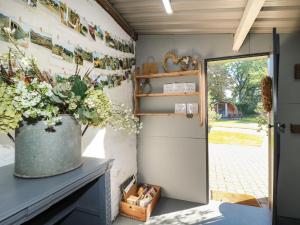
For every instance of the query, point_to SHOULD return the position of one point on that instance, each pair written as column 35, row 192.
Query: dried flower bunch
column 266, row 89
column 27, row 94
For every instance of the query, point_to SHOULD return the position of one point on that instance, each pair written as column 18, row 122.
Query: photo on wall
column 78, row 56
column 64, row 13
column 131, row 48
column 63, row 51
column 74, row 20
column 92, row 31
column 58, row 50
column 121, row 64
column 4, row 23
column 108, row 40
column 99, row 32
column 68, row 53
column 98, row 62
column 52, row 5
column 41, row 39
column 32, row 3
column 20, row 33
column 84, row 26
column 86, row 55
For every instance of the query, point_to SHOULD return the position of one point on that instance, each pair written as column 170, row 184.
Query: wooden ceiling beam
column 195, row 23
column 251, row 12
column 153, row 6
column 281, row 3
column 185, row 16
column 118, row 18
column 186, row 31
column 279, row 14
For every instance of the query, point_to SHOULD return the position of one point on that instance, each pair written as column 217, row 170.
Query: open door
column 274, row 128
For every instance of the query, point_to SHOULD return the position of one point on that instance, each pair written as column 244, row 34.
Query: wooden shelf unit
column 162, row 114
column 201, row 93
column 168, row 94
column 170, row 74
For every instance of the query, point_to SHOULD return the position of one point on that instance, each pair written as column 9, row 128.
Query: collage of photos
column 70, row 18
column 23, row 34
column 18, row 32
column 111, row 63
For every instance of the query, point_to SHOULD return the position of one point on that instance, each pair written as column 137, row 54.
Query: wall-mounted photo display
column 44, row 40
column 78, row 56
column 74, row 20
column 4, row 23
column 115, row 64
column 52, row 5
column 32, row 3
column 68, row 53
column 92, row 31
column 125, row 64
column 108, row 40
column 70, row 18
column 121, row 64
column 64, row 51
column 108, row 62
column 58, row 50
column 86, row 55
column 20, row 33
column 64, row 13
column 99, row 32
column 131, row 48
column 84, row 26
column 98, row 63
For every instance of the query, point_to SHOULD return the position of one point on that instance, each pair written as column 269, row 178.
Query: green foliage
column 79, row 87
column 212, row 114
column 96, row 109
column 34, row 101
column 234, row 138
column 9, row 116
column 241, row 78
column 262, row 118
column 219, row 81
column 247, row 75
column 123, row 119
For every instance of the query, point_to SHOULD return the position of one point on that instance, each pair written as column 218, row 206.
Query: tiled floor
column 176, row 212
column 239, row 169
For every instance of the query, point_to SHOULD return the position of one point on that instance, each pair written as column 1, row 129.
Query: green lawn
column 244, row 123
column 225, row 137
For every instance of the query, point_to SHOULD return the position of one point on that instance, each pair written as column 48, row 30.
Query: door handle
column 281, row 127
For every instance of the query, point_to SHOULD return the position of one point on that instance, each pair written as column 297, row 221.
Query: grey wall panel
column 176, row 164
column 160, row 159
column 289, row 180
column 172, row 126
column 289, row 88
column 289, row 112
column 205, row 46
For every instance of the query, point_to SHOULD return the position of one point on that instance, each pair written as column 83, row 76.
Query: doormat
column 241, row 199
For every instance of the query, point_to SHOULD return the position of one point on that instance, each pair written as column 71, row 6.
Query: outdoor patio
column 239, row 168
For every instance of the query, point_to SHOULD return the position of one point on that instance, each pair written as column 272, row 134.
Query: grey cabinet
column 81, row 196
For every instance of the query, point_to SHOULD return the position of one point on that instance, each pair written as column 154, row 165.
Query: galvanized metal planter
column 42, row 153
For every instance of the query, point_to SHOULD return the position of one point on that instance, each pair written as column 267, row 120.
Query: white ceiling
column 206, row 16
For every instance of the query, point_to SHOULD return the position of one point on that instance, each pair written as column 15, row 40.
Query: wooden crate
column 137, row 212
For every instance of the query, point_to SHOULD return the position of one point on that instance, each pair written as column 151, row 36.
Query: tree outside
column 237, row 81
